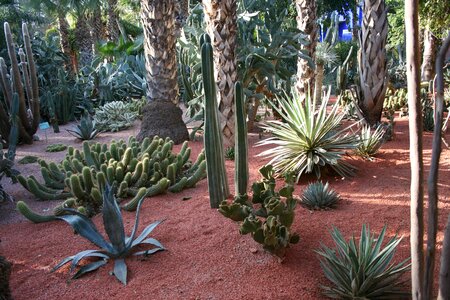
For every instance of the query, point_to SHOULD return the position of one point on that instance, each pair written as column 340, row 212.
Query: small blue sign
column 44, row 125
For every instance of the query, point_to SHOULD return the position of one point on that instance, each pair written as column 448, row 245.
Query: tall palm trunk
column 372, row 60
column 161, row 117
column 97, row 27
column 84, row 40
column 306, row 22
column 221, row 25
column 112, row 22
column 429, row 55
column 416, row 146
column 63, row 27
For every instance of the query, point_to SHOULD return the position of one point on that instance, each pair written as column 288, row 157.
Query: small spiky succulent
column 229, row 153
column 370, row 141
column 85, row 130
column 319, row 196
column 363, row 271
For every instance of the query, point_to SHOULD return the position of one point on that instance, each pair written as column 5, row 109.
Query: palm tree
column 112, row 21
column 306, row 22
column 429, row 55
column 372, row 60
column 220, row 17
column 161, row 116
column 325, row 54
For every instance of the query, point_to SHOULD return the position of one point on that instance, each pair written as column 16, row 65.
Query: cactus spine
column 217, row 177
column 241, row 143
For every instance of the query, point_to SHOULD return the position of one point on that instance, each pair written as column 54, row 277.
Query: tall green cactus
column 241, row 143
column 25, row 84
column 216, row 172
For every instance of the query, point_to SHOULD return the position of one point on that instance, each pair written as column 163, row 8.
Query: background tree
column 306, row 22
column 161, row 116
column 112, row 25
column 221, row 25
column 372, row 60
column 416, row 146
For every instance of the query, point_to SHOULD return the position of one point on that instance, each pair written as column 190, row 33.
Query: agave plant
column 363, row 271
column 308, row 139
column 85, row 130
column 370, row 141
column 120, row 245
column 319, row 196
column 115, row 116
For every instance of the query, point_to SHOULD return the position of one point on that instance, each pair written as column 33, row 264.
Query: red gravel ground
column 206, row 257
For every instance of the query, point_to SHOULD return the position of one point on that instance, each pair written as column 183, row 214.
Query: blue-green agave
column 119, row 246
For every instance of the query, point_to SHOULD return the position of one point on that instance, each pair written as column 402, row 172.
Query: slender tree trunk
column 372, row 60
column 306, row 22
column 432, row 184
column 112, row 26
column 429, row 55
column 415, row 140
column 221, row 25
column 319, row 83
column 444, row 272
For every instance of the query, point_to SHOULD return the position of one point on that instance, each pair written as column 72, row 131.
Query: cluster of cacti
column 217, row 176
column 267, row 217
column 241, row 143
column 342, row 75
column 396, row 99
column 6, row 169
column 115, row 116
column 134, row 169
column 19, row 112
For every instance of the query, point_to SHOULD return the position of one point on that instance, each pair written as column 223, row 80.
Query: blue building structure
column 345, row 23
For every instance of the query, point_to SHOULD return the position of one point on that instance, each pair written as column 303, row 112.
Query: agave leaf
column 112, row 220
column 120, row 270
column 84, row 227
column 79, row 256
column 89, row 268
column 62, row 263
column 145, row 233
column 149, row 252
column 154, row 242
column 129, row 244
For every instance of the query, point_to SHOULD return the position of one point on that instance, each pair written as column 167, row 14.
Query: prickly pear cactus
column 269, row 215
column 135, row 169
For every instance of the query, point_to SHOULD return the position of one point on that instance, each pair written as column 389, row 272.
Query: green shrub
column 268, row 218
column 56, row 148
column 309, row 139
column 364, row 270
column 119, row 245
column 229, row 153
column 115, row 116
column 319, row 196
column 370, row 141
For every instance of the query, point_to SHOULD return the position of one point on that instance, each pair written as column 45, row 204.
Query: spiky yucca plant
column 319, row 196
column 364, row 270
column 309, row 139
column 120, row 245
column 370, row 141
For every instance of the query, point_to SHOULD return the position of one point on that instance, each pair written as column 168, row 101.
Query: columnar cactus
column 134, row 169
column 25, row 81
column 215, row 163
column 241, row 143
